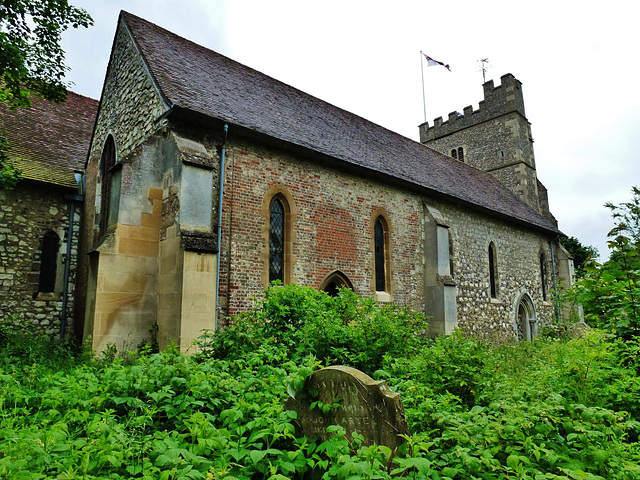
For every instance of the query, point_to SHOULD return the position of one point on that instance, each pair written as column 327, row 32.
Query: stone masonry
column 26, row 214
column 333, row 231
column 152, row 268
column 495, row 138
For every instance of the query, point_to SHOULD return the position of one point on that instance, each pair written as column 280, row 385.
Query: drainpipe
column 73, row 198
column 555, row 279
column 223, row 153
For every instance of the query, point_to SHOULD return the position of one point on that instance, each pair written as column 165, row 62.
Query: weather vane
column 484, row 66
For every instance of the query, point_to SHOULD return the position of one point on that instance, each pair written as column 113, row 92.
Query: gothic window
column 276, row 240
column 454, row 153
column 543, row 280
column 381, row 252
column 48, row 262
column 493, row 271
column 107, row 164
column 333, row 282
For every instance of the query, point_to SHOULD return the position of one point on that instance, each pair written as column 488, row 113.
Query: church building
column 207, row 180
column 40, row 218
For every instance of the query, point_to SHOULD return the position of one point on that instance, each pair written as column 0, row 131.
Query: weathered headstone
column 366, row 406
column 578, row 330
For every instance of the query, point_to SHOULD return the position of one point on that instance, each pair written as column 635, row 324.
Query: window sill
column 47, row 297
column 383, row 297
column 495, row 301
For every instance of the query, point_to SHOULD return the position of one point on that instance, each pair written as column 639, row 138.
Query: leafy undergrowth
column 549, row 409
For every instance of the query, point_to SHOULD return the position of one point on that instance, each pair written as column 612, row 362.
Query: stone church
column 40, row 218
column 206, row 180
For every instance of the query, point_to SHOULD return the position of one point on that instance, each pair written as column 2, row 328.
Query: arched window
column 107, row 162
column 461, row 154
column 381, row 253
column 454, row 153
column 543, row 279
column 48, row 262
column 493, row 271
column 276, row 240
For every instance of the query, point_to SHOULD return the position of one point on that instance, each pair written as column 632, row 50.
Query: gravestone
column 366, row 406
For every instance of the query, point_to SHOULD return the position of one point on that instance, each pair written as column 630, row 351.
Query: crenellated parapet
column 501, row 100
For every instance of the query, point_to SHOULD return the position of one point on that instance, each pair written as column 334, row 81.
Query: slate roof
column 49, row 141
column 195, row 78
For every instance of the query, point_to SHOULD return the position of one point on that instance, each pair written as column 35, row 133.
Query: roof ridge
column 82, row 95
column 202, row 80
column 184, row 39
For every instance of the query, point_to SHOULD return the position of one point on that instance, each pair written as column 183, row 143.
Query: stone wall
column 496, row 138
column 129, row 110
column 130, row 103
column 27, row 213
column 518, row 267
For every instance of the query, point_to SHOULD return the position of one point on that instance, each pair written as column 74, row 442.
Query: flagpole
column 424, row 101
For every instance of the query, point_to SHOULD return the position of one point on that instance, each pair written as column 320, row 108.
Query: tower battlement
column 500, row 100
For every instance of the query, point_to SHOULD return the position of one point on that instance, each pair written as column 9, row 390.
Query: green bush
column 345, row 329
column 547, row 409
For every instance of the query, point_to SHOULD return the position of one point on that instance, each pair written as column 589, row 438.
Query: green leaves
column 547, row 409
column 31, row 58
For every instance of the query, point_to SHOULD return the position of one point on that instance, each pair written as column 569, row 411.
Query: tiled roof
column 200, row 80
column 49, row 141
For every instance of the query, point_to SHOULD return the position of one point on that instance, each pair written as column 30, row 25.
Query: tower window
column 457, row 154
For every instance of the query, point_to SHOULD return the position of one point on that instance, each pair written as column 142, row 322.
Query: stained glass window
column 276, row 241
column 379, row 253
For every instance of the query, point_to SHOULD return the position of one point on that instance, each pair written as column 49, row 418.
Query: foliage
column 536, row 410
column 610, row 292
column 9, row 175
column 345, row 329
column 581, row 253
column 627, row 217
column 31, row 58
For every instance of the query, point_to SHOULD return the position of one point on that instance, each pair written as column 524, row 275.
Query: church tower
column 495, row 138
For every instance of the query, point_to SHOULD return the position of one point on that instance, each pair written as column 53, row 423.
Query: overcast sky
column 577, row 61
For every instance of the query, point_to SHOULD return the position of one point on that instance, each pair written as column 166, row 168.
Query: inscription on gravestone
column 367, row 406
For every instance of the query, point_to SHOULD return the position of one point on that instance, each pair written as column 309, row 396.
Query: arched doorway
column 526, row 322
column 334, row 281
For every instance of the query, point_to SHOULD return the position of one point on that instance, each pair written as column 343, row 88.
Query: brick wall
column 333, row 230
